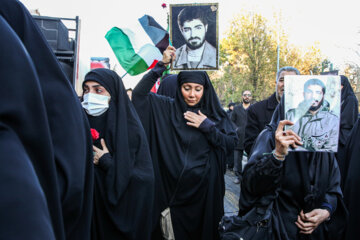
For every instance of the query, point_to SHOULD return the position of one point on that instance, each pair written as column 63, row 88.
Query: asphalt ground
column 232, row 193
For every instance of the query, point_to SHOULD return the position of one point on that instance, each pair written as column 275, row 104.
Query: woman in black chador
column 189, row 137
column 124, row 176
column 348, row 117
column 303, row 186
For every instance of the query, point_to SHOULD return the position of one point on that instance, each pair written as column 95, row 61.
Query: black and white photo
column 194, row 33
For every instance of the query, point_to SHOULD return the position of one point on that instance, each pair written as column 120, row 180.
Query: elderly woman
column 124, row 176
column 304, row 187
column 189, row 137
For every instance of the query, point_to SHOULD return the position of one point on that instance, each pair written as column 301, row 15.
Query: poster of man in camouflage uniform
column 312, row 104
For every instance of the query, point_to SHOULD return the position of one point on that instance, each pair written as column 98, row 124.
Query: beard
column 315, row 108
column 246, row 101
column 193, row 47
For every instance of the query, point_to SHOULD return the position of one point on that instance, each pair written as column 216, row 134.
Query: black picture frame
column 212, row 35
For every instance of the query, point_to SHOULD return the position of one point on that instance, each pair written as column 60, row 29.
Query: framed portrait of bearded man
column 194, row 33
column 312, row 103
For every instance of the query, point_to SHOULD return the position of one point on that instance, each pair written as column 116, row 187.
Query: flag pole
column 124, row 75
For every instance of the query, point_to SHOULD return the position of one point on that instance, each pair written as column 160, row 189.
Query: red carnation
column 95, row 134
column 163, row 5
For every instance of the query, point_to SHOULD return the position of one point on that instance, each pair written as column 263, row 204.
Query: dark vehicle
column 64, row 42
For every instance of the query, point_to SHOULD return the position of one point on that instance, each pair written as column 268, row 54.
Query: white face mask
column 95, row 104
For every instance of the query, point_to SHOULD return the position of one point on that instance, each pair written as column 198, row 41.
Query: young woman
column 124, row 177
column 189, row 137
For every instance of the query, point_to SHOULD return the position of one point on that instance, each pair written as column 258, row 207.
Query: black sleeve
column 106, row 161
column 334, row 189
column 263, row 175
column 217, row 138
column 143, row 88
column 252, row 130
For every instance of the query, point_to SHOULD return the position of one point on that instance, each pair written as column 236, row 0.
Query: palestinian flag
column 137, row 49
column 135, row 52
column 158, row 35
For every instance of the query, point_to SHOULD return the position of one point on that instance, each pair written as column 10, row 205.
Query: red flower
column 95, row 134
column 163, row 5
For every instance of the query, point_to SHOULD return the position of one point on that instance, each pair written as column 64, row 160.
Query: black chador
column 26, row 155
column 124, row 177
column 351, row 185
column 68, row 190
column 348, row 117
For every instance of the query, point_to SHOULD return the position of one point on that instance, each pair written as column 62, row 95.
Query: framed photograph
column 194, row 32
column 312, row 103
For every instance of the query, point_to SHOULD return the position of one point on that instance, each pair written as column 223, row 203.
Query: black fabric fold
column 352, row 179
column 69, row 189
column 348, row 117
column 28, row 181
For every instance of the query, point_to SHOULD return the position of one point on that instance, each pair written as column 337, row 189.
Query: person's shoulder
column 258, row 105
column 289, row 115
column 210, row 49
column 181, row 49
column 331, row 114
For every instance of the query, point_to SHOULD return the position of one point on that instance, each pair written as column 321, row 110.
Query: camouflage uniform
column 317, row 132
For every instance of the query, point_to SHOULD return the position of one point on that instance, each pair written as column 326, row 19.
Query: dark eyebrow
column 199, row 25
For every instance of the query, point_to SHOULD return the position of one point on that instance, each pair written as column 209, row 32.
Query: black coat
column 303, row 181
column 259, row 114
column 239, row 118
column 189, row 164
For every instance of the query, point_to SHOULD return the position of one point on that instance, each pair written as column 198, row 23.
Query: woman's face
column 94, row 87
column 192, row 93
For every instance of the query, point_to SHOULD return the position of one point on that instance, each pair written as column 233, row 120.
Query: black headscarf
column 306, row 180
column 123, row 192
column 188, row 163
column 209, row 103
column 28, row 182
column 69, row 129
column 168, row 86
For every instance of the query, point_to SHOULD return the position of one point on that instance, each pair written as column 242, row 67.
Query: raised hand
column 284, row 139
